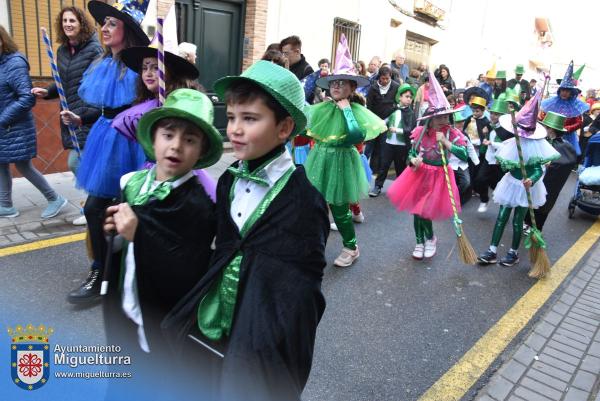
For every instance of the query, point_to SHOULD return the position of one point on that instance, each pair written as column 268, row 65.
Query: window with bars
column 352, row 32
column 26, row 18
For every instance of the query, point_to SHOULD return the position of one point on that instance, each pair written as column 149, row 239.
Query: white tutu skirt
column 510, row 192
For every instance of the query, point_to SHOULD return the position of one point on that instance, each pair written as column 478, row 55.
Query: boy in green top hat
column 165, row 225
column 520, row 85
column 400, row 124
column 557, row 172
column 248, row 327
column 490, row 173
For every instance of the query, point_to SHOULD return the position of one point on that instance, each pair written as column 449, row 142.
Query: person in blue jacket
column 18, row 140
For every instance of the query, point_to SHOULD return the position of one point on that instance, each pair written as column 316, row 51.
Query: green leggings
column 503, row 216
column 423, row 229
column 343, row 219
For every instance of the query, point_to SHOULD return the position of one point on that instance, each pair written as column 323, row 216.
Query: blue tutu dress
column 108, row 155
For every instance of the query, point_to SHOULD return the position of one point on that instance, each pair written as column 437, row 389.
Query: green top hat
column 501, row 74
column 277, row 82
column 511, row 96
column 187, row 104
column 458, row 115
column 555, row 120
column 500, row 106
column 403, row 88
column 519, row 69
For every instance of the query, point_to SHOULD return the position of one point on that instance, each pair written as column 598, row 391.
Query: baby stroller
column 587, row 190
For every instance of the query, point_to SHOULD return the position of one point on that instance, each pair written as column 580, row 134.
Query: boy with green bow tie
column 167, row 224
column 248, row 327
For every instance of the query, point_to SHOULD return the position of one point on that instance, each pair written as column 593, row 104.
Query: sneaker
column 418, row 252
column 487, row 258
column 375, row 192
column 8, row 212
column 430, row 247
column 54, row 207
column 333, row 227
column 347, row 257
column 511, row 259
column 80, row 221
column 482, row 207
column 526, row 229
column 358, row 218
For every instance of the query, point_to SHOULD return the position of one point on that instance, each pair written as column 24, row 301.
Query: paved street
column 393, row 326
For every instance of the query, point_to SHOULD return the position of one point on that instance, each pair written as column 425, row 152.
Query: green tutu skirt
column 326, row 122
column 337, row 172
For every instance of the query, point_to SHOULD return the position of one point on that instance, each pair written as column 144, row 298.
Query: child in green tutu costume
column 334, row 166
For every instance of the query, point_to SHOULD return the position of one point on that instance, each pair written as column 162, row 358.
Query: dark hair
column 130, row 41
column 323, row 61
column 476, row 106
column 385, row 70
column 275, row 56
column 438, row 72
column 172, row 82
column 451, row 98
column 244, row 92
column 187, row 126
column 414, row 73
column 293, row 40
column 362, row 70
column 87, row 27
column 8, row 44
column 273, row 46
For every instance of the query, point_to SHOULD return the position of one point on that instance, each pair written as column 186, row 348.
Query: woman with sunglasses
column 334, row 165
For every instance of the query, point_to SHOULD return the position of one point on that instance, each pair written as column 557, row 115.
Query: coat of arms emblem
column 30, row 356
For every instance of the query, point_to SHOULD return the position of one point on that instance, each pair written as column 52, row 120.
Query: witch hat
column 527, row 121
column 131, row 12
column 491, row 73
column 438, row 103
column 344, row 68
column 577, row 74
column 567, row 81
column 134, row 56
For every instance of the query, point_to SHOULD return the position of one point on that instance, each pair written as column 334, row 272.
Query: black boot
column 89, row 291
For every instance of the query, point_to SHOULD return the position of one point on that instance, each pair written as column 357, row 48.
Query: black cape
column 279, row 302
column 172, row 250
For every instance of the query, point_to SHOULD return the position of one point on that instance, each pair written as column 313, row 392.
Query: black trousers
column 396, row 154
column 463, row 182
column 94, row 211
column 487, row 176
column 374, row 151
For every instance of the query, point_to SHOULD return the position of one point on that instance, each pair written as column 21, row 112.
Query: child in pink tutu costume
column 421, row 190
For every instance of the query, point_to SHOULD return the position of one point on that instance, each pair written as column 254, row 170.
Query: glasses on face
column 337, row 84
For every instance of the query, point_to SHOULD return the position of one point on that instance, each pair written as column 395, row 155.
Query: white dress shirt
column 247, row 195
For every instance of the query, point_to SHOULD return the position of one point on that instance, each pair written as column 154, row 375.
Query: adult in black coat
column 381, row 100
column 291, row 47
column 268, row 355
column 79, row 47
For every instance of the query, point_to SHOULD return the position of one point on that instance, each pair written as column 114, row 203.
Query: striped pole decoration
column 59, row 88
column 161, row 61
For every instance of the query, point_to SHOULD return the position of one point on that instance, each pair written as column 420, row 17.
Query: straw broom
column 534, row 240
column 466, row 253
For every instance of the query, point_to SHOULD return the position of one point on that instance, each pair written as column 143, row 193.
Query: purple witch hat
column 344, row 67
column 438, row 103
column 527, row 120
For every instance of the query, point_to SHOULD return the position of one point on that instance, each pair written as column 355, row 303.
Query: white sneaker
column 347, row 257
column 482, row 207
column 418, row 252
column 358, row 218
column 80, row 221
column 430, row 247
column 333, row 227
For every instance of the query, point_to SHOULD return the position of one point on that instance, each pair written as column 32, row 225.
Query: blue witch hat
column 567, row 82
column 131, row 12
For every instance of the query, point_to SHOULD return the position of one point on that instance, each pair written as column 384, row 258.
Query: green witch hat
column 555, row 120
column 577, row 73
column 187, row 104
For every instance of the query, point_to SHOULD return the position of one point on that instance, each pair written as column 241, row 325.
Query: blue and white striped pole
column 59, row 88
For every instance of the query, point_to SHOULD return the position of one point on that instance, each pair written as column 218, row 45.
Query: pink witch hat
column 344, row 67
column 438, row 104
column 527, row 120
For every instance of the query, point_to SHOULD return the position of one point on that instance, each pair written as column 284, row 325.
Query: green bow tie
column 161, row 191
column 242, row 172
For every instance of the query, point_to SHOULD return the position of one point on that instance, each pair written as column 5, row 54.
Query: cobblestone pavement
column 560, row 358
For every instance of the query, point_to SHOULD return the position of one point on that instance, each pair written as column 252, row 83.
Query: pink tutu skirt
column 424, row 192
